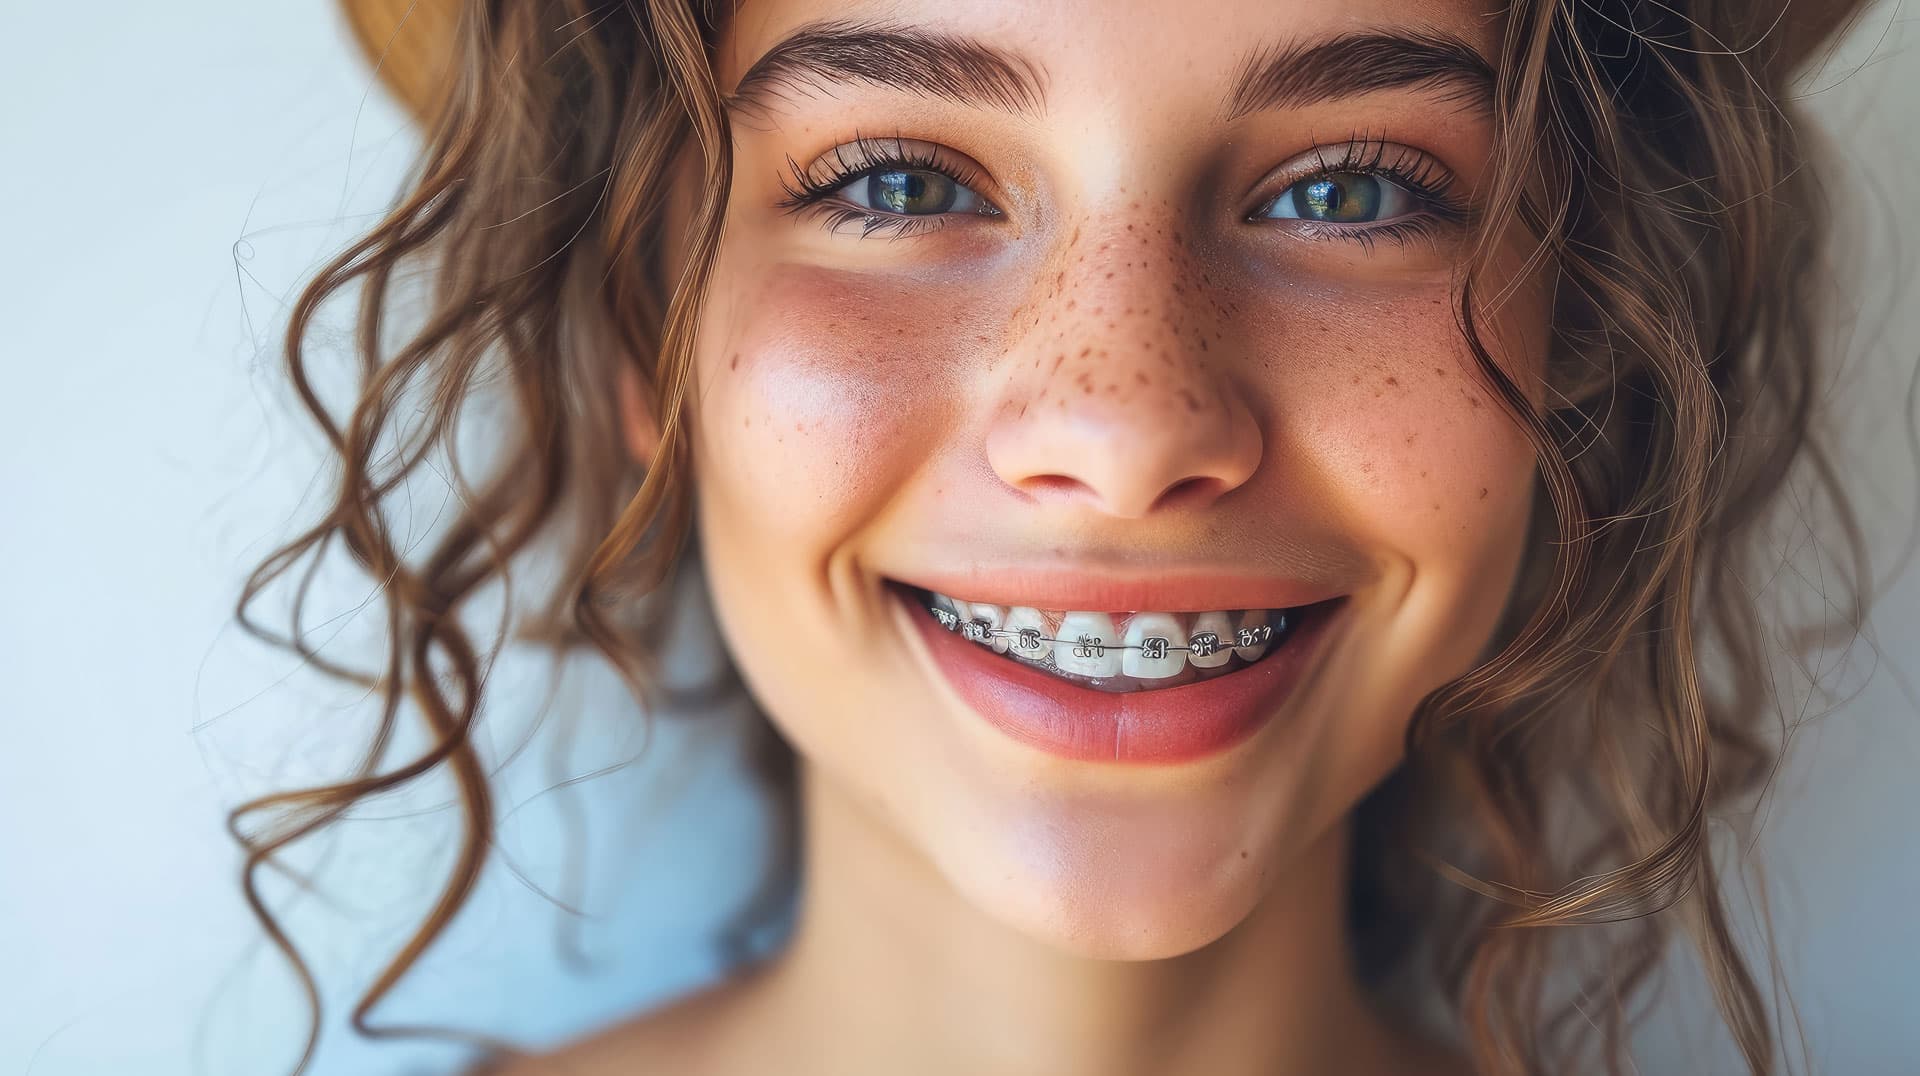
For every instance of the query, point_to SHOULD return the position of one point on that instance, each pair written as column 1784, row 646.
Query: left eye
column 911, row 193
column 1342, row 198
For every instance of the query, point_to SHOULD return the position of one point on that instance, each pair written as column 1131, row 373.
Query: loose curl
column 1648, row 151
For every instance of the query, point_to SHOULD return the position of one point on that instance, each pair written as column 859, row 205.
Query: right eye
column 912, row 192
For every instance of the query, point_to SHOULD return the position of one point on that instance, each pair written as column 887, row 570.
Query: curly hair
column 1649, row 152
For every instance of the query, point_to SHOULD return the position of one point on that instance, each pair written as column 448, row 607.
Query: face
column 1092, row 475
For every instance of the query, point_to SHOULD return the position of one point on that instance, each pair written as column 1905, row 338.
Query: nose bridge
column 1121, row 388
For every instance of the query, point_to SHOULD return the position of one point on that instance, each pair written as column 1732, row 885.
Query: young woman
column 1235, row 510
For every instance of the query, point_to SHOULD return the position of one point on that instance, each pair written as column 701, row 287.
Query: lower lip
column 1176, row 724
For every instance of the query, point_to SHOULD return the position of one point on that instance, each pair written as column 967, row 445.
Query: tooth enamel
column 992, row 618
column 1088, row 645
column 1210, row 654
column 946, row 611
column 1252, row 635
column 1029, row 628
column 1154, row 642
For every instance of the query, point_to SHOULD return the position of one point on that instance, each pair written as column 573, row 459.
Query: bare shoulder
column 695, row 1035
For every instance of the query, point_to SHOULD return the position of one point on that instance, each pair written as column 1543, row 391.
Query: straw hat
column 411, row 41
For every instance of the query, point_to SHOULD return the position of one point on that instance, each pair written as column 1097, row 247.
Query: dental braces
column 1153, row 647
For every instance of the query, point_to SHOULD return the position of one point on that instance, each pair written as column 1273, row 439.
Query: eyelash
column 1422, row 177
column 806, row 194
column 1429, row 182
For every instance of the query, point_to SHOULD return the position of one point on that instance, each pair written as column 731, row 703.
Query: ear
column 638, row 427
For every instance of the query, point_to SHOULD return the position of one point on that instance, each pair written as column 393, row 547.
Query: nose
column 1119, row 392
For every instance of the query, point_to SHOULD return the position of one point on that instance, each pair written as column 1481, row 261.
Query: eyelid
column 1365, row 154
column 861, row 155
column 1418, row 173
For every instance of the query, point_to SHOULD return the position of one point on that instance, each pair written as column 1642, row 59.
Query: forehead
column 1080, row 48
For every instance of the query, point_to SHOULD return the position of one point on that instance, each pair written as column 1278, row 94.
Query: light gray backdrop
column 171, row 173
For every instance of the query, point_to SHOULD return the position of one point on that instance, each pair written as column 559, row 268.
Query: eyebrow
column 961, row 69
column 1306, row 73
column 974, row 74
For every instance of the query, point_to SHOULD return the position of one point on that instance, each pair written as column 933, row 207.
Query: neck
column 889, row 962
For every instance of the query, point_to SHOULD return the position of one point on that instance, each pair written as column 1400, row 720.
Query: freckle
column 1109, row 276
column 1085, row 351
column 1071, row 303
column 1483, row 493
column 1423, row 474
column 1356, row 379
column 1393, row 381
column 1129, row 227
column 1439, row 371
column 1203, row 343
column 1436, row 506
column 1474, row 400
column 1142, row 378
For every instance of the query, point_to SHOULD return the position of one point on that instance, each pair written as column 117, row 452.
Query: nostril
column 1054, row 487
column 1193, row 492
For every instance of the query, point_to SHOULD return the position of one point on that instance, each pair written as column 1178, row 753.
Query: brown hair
column 1650, row 150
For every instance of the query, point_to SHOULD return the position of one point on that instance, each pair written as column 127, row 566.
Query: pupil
column 901, row 192
column 1351, row 196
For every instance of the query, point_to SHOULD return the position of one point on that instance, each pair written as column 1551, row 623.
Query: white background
column 166, row 181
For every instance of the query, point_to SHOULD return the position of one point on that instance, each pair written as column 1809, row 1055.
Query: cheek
column 819, row 397
column 1424, row 459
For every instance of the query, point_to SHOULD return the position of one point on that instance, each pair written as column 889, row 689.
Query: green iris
column 912, row 193
column 1342, row 197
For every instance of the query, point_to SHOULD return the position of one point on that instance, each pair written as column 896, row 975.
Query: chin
column 1115, row 875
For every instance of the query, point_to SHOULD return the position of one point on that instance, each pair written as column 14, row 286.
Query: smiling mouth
column 1121, row 652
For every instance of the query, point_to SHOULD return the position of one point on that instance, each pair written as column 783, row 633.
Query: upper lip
column 1166, row 590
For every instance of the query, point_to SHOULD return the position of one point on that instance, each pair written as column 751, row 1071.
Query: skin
column 1121, row 363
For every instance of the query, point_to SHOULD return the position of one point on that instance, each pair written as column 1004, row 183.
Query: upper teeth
column 1151, row 646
